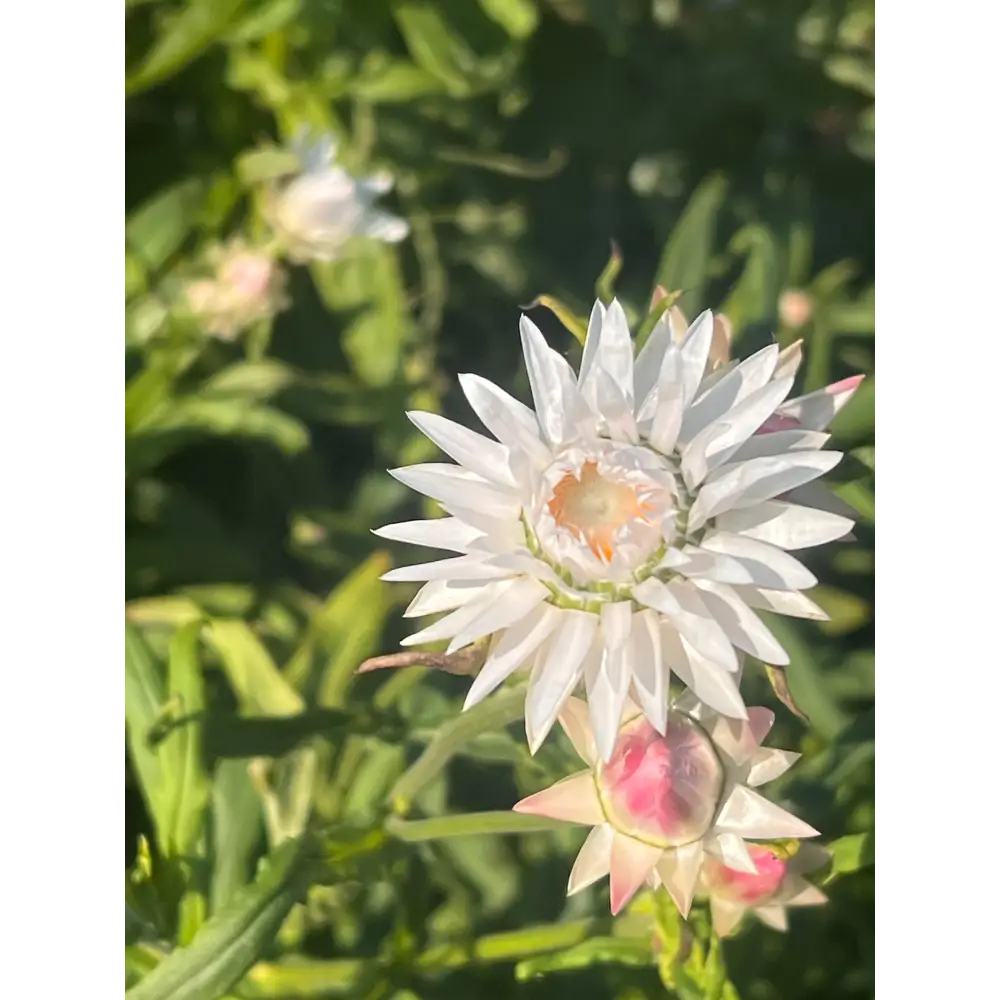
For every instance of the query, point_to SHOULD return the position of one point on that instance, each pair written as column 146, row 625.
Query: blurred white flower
column 247, row 286
column 626, row 528
column 665, row 807
column 320, row 209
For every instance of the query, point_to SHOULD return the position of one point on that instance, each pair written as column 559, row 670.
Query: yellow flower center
column 594, row 508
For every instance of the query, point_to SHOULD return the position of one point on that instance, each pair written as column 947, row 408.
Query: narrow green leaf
column 189, row 791
column 435, row 46
column 851, row 854
column 305, row 979
column 519, row 18
column 605, row 287
column 232, row 940
column 236, row 829
column 249, row 380
column 184, row 38
column 505, row 946
column 496, row 711
column 575, row 324
column 467, row 825
column 596, row 951
column 156, row 229
column 688, row 253
column 256, row 681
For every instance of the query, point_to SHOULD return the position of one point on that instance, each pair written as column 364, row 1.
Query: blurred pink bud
column 795, row 308
column 748, row 888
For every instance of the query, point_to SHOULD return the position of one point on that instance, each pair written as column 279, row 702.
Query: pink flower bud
column 662, row 789
column 743, row 887
column 795, row 308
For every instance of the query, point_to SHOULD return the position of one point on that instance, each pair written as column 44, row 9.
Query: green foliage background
column 727, row 146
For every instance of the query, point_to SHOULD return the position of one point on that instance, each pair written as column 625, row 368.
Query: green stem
column 467, row 824
column 505, row 947
column 497, row 711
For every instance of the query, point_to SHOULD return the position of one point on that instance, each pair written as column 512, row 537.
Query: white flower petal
column 774, row 916
column 471, row 450
column 701, row 564
column 650, row 674
column 594, row 860
column 815, row 410
column 819, row 496
column 608, row 675
column 668, row 401
column 631, row 863
column 745, row 484
column 805, row 894
column 742, row 627
column 506, row 418
column 612, row 352
column 779, row 443
column 694, row 353
column 787, row 525
column 615, row 408
column 507, row 607
column 439, row 533
column 768, row 764
column 732, row 851
column 575, row 721
column 558, row 403
column 514, row 647
column 728, row 390
column 709, row 682
column 650, row 359
column 468, row 567
column 556, row 673
column 769, row 566
column 451, row 484
column 574, row 799
column 678, row 870
column 711, row 448
column 453, row 623
column 749, row 814
column 591, row 343
column 379, row 225
column 789, row 361
column 726, row 915
column 782, row 602
column 443, row 595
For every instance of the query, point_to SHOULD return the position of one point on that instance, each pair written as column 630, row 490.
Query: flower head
column 666, row 808
column 626, row 528
column 247, row 286
column 777, row 884
column 320, row 209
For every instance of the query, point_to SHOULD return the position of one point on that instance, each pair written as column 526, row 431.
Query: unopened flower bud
column 750, row 889
column 795, row 308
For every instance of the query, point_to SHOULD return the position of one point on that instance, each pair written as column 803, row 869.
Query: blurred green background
column 727, row 147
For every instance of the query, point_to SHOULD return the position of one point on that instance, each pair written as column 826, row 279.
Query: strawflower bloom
column 624, row 529
column 247, row 286
column 664, row 808
column 323, row 207
column 776, row 885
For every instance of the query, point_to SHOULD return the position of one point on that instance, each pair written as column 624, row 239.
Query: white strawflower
column 625, row 528
column 319, row 210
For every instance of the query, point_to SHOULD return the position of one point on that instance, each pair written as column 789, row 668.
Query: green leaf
column 232, row 940
column 185, row 37
column 752, row 298
column 435, row 46
column 468, row 825
column 303, row 979
column 249, row 380
column 236, row 829
column 156, row 230
column 519, row 18
column 576, row 325
column 498, row 710
column 505, row 946
column 262, row 165
column 190, row 789
column 605, row 287
column 268, row 17
column 394, row 81
column 688, row 253
column 851, row 854
column 157, row 769
column 596, row 951
column 258, row 684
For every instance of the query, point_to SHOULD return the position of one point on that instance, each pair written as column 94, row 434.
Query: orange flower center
column 594, row 508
